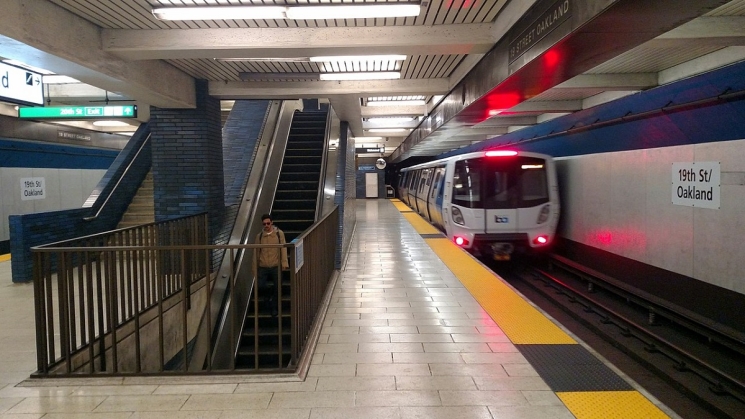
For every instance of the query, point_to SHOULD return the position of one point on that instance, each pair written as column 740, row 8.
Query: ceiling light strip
column 311, row 12
column 368, row 75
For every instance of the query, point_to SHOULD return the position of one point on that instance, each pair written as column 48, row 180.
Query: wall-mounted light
column 309, row 12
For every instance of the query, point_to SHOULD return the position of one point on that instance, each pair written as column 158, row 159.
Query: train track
column 703, row 362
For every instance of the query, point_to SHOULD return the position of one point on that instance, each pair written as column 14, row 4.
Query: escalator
column 294, row 208
column 293, row 211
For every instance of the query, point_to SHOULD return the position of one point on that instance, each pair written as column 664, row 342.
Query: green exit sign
column 78, row 112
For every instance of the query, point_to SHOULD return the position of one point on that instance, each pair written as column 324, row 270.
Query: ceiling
column 118, row 48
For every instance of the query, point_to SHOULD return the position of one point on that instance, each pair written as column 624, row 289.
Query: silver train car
column 493, row 203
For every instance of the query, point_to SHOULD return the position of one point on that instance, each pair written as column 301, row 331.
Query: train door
column 422, row 192
column 466, row 198
column 434, row 201
column 403, row 190
column 411, row 188
column 500, row 190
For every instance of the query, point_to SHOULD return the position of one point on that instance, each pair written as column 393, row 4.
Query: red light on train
column 540, row 240
column 460, row 241
column 500, row 153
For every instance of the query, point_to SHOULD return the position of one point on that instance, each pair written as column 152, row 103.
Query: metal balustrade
column 129, row 302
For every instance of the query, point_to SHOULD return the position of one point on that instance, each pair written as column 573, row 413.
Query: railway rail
column 703, row 360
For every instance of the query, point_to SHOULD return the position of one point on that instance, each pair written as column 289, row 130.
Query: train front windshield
column 497, row 183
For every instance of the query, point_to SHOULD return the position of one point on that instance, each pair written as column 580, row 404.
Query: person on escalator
column 269, row 260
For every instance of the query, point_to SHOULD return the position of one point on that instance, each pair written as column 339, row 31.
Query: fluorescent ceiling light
column 105, row 123
column 397, row 103
column 392, row 119
column 245, row 76
column 57, row 79
column 266, row 59
column 220, row 13
column 388, row 130
column 340, row 58
column 369, row 75
column 367, row 138
column 357, row 11
column 311, row 12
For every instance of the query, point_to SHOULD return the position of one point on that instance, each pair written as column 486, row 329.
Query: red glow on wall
column 467, row 4
column 497, row 103
column 604, row 237
column 551, row 58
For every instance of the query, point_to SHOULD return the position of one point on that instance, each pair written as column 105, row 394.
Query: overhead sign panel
column 369, row 150
column 18, row 85
column 79, row 112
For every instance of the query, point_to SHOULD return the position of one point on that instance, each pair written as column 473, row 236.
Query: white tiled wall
column 64, row 189
column 622, row 203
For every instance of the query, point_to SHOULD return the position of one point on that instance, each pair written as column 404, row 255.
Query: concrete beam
column 347, row 108
column 373, row 111
column 392, row 124
column 625, row 81
column 544, row 106
column 473, row 38
column 316, row 89
column 67, row 44
column 704, row 31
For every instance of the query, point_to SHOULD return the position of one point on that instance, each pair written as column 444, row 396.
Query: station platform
column 416, row 328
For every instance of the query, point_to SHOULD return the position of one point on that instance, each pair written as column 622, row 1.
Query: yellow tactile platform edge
column 523, row 324
column 4, row 258
column 400, row 206
column 419, row 224
column 610, row 405
column 519, row 320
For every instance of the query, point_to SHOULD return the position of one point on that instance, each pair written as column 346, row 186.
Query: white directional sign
column 19, row 85
column 697, row 184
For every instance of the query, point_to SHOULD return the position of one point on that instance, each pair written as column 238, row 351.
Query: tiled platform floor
column 402, row 339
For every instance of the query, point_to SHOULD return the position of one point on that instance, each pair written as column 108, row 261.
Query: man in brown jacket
column 269, row 259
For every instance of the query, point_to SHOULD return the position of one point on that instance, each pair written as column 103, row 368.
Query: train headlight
column 458, row 217
column 543, row 216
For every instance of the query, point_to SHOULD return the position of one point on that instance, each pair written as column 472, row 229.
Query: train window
column 467, row 184
column 437, row 179
column 533, row 182
column 424, row 182
column 515, row 183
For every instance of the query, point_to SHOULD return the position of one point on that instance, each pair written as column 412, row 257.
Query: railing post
column 42, row 354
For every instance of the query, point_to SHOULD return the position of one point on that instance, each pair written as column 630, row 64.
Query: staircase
column 293, row 211
column 142, row 208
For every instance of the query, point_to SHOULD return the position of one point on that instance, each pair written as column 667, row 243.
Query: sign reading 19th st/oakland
column 697, row 184
column 32, row 188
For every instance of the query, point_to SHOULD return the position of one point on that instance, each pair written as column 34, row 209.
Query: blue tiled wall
column 31, row 230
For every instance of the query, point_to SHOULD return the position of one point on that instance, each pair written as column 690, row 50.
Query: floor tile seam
column 557, row 393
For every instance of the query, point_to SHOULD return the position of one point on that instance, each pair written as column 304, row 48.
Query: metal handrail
column 101, row 301
column 131, row 162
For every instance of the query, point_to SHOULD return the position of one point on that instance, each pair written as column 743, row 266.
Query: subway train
column 493, row 203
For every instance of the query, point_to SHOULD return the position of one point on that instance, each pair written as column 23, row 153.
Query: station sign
column 369, row 150
column 78, row 112
column 697, row 184
column 18, row 85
